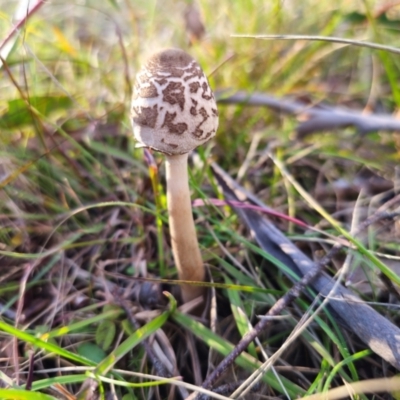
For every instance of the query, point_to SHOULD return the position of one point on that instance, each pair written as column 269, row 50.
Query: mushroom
column 174, row 111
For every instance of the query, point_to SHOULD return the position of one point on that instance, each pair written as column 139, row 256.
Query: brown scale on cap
column 173, row 107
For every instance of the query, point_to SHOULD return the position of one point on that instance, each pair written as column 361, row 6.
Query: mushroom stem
column 185, row 246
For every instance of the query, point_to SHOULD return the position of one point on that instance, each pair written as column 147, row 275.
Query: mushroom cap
column 173, row 106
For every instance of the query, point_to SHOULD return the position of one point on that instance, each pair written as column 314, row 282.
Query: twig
column 314, row 117
column 228, row 388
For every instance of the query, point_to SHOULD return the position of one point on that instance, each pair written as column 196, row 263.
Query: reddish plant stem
column 20, row 23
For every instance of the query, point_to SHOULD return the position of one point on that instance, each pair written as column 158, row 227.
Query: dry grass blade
column 331, row 39
column 388, row 385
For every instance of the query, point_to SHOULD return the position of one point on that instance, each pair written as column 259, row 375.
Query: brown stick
column 315, row 117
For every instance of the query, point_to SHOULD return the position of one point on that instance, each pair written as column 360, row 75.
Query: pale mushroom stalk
column 174, row 111
column 184, row 241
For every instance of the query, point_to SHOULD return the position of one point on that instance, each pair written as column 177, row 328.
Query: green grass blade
column 354, row 357
column 133, row 340
column 15, row 394
column 47, row 346
column 61, row 380
column 64, row 330
column 239, row 316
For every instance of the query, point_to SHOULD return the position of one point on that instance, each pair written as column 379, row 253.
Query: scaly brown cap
column 173, row 107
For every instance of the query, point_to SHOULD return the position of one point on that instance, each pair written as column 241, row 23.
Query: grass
column 83, row 227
